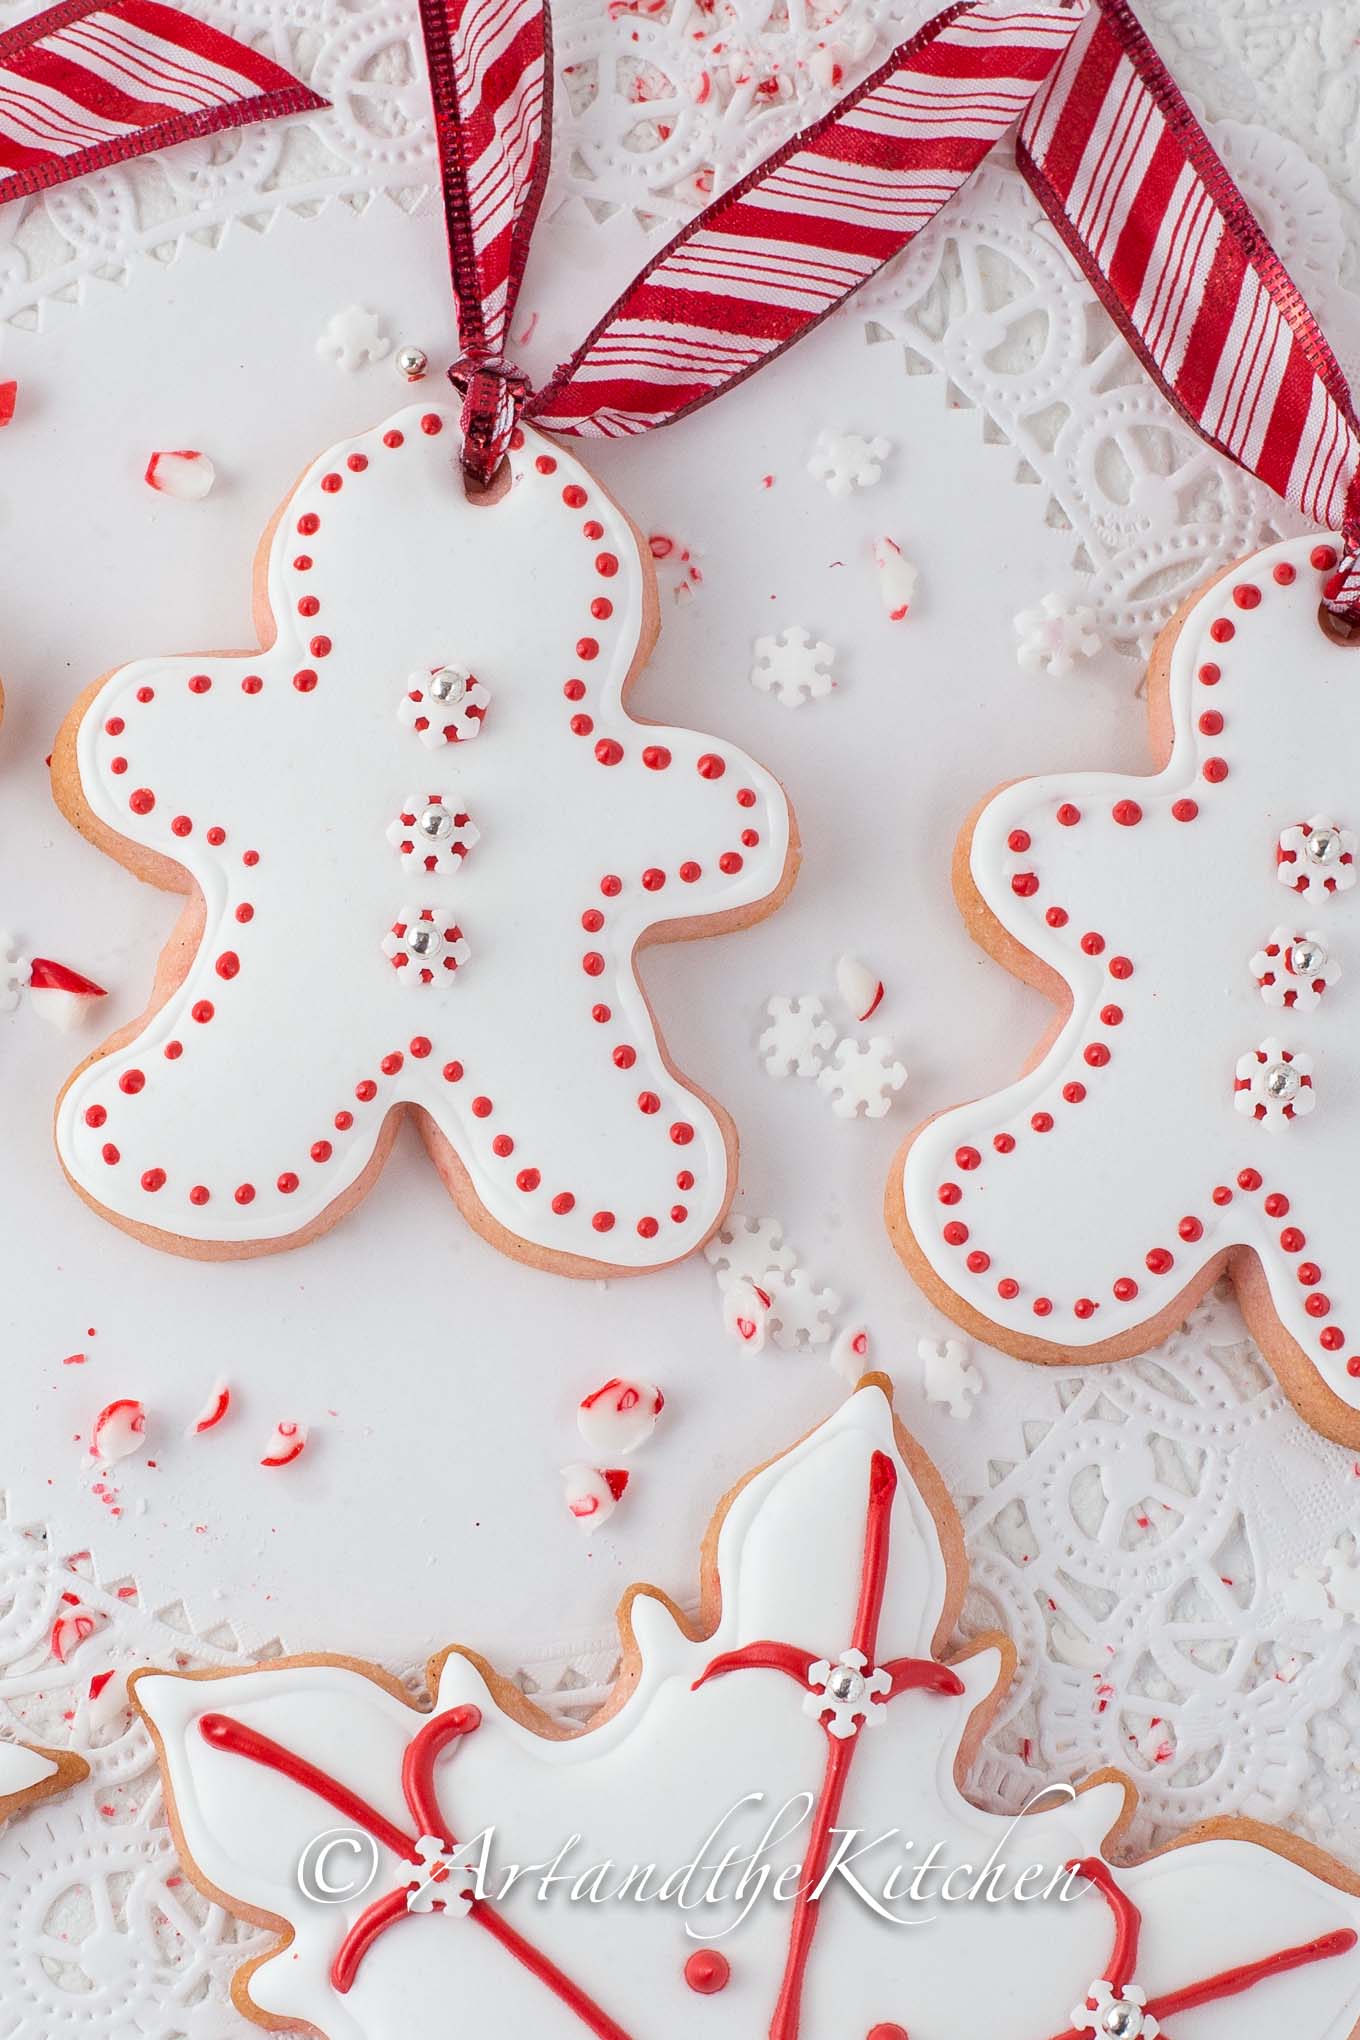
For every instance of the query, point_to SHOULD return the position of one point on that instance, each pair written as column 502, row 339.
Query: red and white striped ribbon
column 1136, row 189
column 87, row 84
column 795, row 238
column 491, row 85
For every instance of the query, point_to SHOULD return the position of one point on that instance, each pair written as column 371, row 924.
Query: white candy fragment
column 592, row 1492
column 212, row 1412
column 187, row 475
column 119, row 1431
column 850, row 1354
column 616, row 1419
column 746, row 1313
column 896, row 578
column 861, row 988
column 61, row 996
column 287, row 1444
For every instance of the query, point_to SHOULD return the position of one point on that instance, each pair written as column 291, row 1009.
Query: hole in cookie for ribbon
column 1341, row 630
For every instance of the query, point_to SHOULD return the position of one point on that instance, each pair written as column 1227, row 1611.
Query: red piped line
column 907, row 1675
column 788, row 2007
column 760, row 1657
column 920, row 1675
column 418, row 1766
column 237, row 1740
column 546, row 1972
column 1232, row 1982
column 381, row 1915
column 1228, row 1982
column 874, row 1573
column 1128, row 1921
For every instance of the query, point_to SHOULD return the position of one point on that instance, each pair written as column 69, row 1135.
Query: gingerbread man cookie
column 813, row 1701
column 1195, row 1107
column 422, row 838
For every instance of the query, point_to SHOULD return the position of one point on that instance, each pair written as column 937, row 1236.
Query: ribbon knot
column 494, row 393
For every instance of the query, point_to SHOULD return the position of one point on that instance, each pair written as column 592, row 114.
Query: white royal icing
column 1151, row 1173
column 23, row 1769
column 651, row 1783
column 273, row 778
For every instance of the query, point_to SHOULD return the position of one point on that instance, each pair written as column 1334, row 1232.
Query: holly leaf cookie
column 809, row 1720
column 1194, row 1109
column 422, row 838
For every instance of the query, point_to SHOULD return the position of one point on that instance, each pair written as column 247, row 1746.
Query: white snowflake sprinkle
column 792, row 667
column 1095, row 2015
column 1316, row 858
column 1274, row 1084
column 1294, row 969
column 795, row 1041
column 801, row 1313
column 862, row 1077
column 846, row 461
column 949, row 1376
column 1053, row 637
column 352, row 338
column 749, row 1249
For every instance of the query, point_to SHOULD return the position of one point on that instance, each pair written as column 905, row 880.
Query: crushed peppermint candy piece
column 106, row 1703
column 861, row 990
column 592, row 1492
column 9, row 396
column 287, row 1444
column 850, row 1354
column 74, row 1625
column 896, row 578
column 119, row 1431
column 619, row 1417
column 186, row 475
column 746, row 1313
column 212, row 1413
column 60, row 995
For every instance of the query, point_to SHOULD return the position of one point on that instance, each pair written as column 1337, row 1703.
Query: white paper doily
column 1166, row 1543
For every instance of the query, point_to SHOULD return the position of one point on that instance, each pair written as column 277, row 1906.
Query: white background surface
column 1138, row 1530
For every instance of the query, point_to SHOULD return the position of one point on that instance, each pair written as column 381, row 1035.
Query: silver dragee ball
column 424, row 941
column 435, row 822
column 845, row 1685
column 1121, row 2021
column 412, row 362
column 446, row 685
column 1322, row 846
column 1283, row 1082
column 1307, row 958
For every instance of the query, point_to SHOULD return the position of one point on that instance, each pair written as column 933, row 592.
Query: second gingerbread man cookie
column 1196, row 1106
column 422, row 839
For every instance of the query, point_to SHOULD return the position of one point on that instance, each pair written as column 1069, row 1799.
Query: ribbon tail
column 491, row 81
column 789, row 243
column 91, row 83
column 1151, row 213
